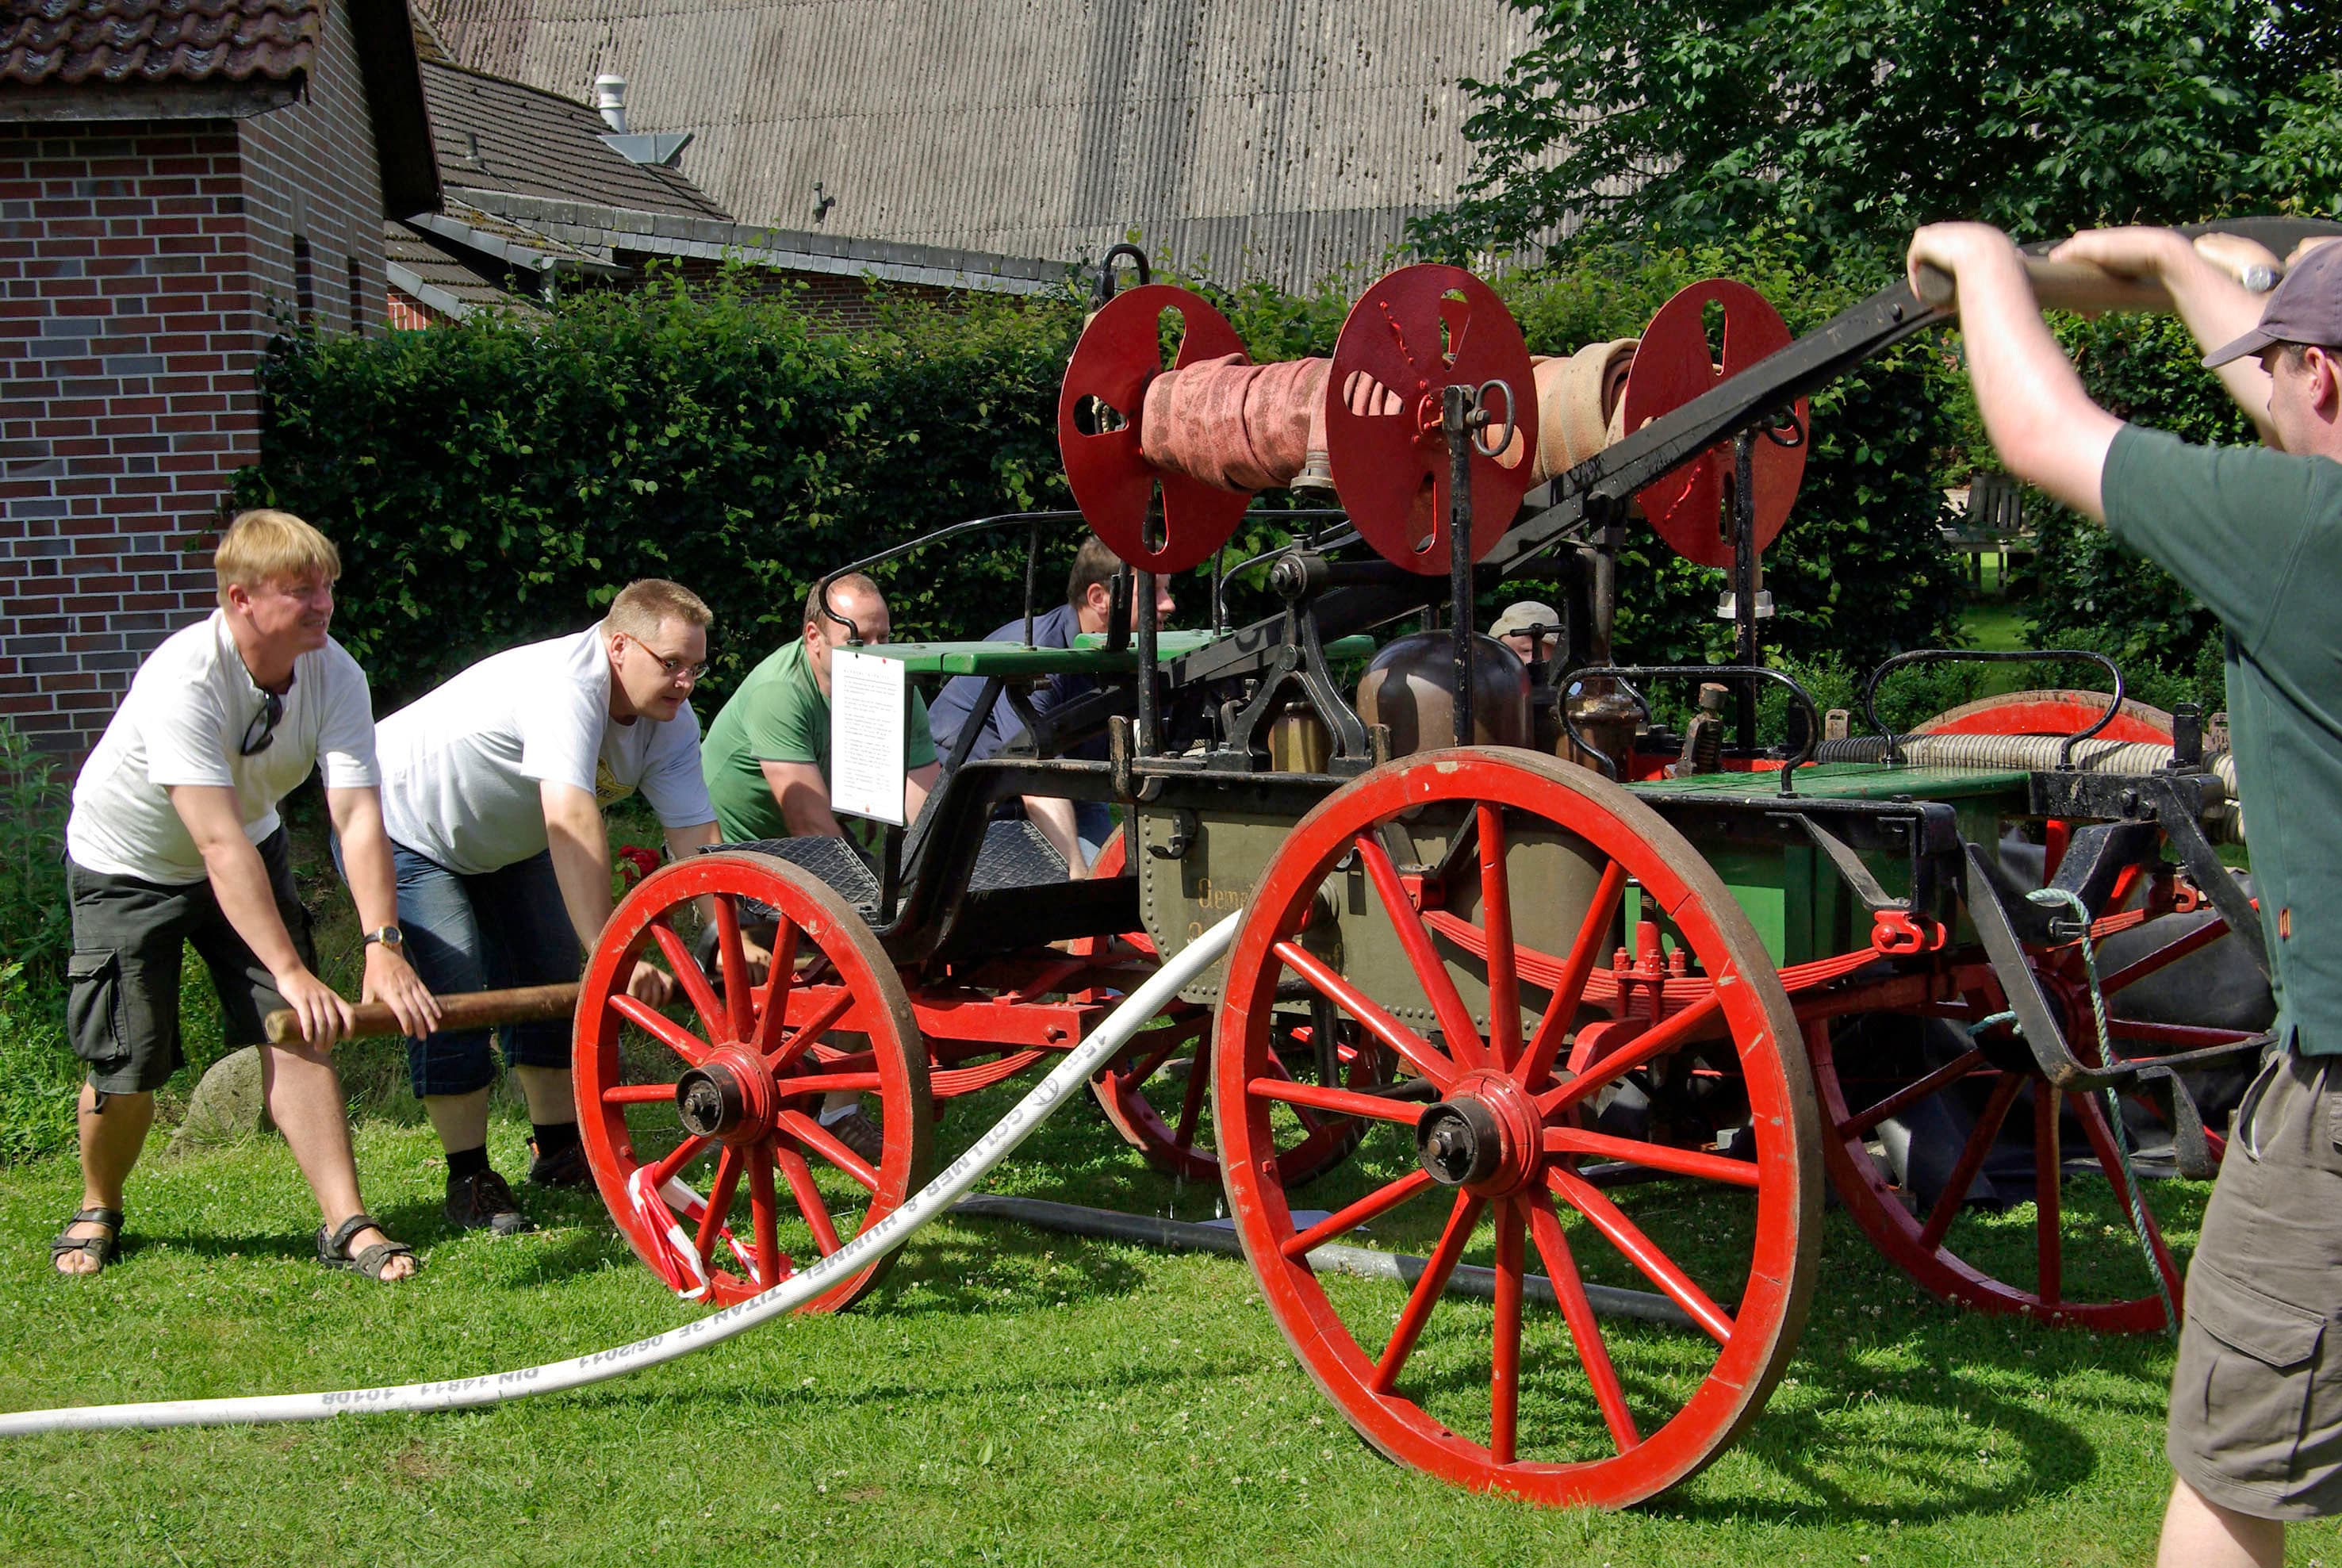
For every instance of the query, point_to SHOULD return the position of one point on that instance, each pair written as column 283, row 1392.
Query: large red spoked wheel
column 735, row 1086
column 1557, row 1406
column 1099, row 406
column 1417, row 331
column 1671, row 367
column 1156, row 1092
column 1925, row 1128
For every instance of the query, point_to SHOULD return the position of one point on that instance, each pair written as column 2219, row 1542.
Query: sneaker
column 484, row 1202
column 860, row 1133
column 565, row 1168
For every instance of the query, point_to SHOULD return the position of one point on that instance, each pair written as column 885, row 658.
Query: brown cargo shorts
column 2256, row 1420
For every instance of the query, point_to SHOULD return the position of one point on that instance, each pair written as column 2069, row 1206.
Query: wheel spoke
column 1147, row 1067
column 1955, row 1191
column 1414, row 938
column 832, row 1083
column 638, row 1095
column 2173, row 1036
column 1348, row 1102
column 2093, row 1118
column 817, row 1138
column 1381, row 1200
column 1655, row 1156
column 1308, row 1119
column 732, row 962
column 1910, row 1095
column 1461, row 1222
column 1417, row 1052
column 763, row 1206
column 1191, row 1109
column 1561, row 1009
column 810, row 1033
column 2048, row 1161
column 773, row 1002
column 799, row 1176
column 1641, row 1251
column 687, row 972
column 1505, row 1351
column 719, row 1202
column 1655, row 1041
column 1496, row 920
column 1585, row 1328
column 676, row 1158
column 657, row 1024
column 2179, row 947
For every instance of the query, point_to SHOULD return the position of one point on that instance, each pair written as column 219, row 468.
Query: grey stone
column 227, row 1104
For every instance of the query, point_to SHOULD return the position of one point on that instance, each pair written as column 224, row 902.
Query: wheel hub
column 1484, row 1137
column 729, row 1097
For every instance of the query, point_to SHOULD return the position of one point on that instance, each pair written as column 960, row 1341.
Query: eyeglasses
column 264, row 723
column 676, row 668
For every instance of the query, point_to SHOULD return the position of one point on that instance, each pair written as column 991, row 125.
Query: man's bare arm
column 1054, row 815
column 374, row 886
column 804, row 799
column 581, row 865
column 917, row 786
column 239, row 881
column 2040, row 420
column 2216, row 307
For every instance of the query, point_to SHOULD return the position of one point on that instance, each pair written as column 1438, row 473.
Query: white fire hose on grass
column 928, row 1204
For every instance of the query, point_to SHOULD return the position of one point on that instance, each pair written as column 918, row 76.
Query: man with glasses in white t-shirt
column 175, row 839
column 493, row 789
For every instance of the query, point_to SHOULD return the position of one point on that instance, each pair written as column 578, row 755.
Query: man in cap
column 1529, row 629
column 2255, row 1432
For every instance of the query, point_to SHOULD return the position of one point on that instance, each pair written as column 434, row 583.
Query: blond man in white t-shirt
column 493, row 789
column 175, row 839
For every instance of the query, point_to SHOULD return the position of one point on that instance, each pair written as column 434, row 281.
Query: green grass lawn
column 1007, row 1396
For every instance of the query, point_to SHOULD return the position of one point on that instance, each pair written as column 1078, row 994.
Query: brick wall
column 142, row 267
column 123, row 301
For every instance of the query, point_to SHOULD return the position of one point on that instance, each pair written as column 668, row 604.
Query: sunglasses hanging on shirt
column 262, row 731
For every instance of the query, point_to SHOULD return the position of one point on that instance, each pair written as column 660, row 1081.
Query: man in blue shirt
column 1077, row 828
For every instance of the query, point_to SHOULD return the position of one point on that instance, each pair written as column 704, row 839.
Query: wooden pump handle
column 469, row 1010
column 2061, row 286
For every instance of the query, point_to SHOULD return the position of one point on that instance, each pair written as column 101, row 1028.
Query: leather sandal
column 334, row 1250
column 105, row 1248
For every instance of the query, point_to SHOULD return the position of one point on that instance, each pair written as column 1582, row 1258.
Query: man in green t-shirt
column 2255, row 1434
column 767, row 755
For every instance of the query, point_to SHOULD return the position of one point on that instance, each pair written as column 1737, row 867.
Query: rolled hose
column 928, row 1204
column 2224, row 822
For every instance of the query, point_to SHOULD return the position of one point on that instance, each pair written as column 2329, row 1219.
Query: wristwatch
column 390, row 936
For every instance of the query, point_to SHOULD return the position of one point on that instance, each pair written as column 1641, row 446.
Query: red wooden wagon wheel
column 1556, row 1407
column 738, row 1084
column 1170, row 1061
column 2071, row 1255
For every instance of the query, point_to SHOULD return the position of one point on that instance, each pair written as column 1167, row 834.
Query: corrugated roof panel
column 1279, row 138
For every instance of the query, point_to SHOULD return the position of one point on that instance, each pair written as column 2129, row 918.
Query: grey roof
column 1281, row 139
column 587, row 229
column 500, row 135
column 438, row 278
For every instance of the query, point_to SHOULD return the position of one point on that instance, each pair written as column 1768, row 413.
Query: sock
column 465, row 1163
column 552, row 1138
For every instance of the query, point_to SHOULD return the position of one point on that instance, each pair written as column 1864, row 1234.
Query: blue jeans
column 477, row 932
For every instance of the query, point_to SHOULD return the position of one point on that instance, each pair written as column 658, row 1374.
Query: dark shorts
column 2257, row 1395
column 479, row 932
column 122, row 1007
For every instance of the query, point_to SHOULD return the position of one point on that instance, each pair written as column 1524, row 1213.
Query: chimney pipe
column 610, row 97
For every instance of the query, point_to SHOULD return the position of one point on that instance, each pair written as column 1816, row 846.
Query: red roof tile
column 122, row 42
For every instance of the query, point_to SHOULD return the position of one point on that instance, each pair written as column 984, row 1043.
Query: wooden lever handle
column 2061, row 286
column 469, row 1010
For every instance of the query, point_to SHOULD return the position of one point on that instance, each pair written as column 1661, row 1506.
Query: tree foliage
column 1850, row 122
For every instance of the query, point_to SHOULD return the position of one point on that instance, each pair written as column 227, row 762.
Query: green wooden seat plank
column 1089, row 656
